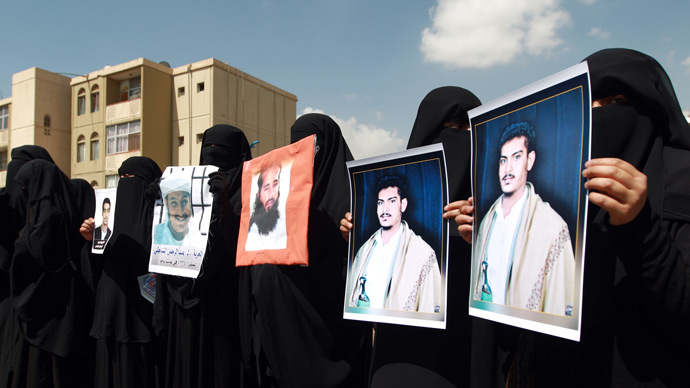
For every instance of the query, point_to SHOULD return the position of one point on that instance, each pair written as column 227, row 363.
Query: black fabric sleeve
column 656, row 255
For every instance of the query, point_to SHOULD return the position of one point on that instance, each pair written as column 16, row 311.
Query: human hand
column 617, row 187
column 463, row 214
column 86, row 229
column 346, row 226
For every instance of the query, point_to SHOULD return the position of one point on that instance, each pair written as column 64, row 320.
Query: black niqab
column 330, row 193
column 85, row 197
column 649, row 125
column 120, row 309
column 224, row 146
column 297, row 310
column 444, row 353
column 44, row 280
column 634, row 309
column 448, row 104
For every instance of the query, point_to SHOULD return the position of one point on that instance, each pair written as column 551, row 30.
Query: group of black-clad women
column 69, row 318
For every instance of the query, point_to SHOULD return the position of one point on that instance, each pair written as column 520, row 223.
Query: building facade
column 36, row 113
column 90, row 124
column 146, row 108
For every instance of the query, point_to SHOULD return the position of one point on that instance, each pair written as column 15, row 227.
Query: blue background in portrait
column 558, row 123
column 425, row 201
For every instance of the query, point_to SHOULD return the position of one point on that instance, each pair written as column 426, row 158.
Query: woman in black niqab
column 291, row 327
column 412, row 356
column 13, row 210
column 636, row 282
column 200, row 315
column 46, row 286
column 126, row 354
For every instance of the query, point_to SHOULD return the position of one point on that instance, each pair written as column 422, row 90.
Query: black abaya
column 292, row 330
column 126, row 354
column 200, row 318
column 444, row 354
column 636, row 288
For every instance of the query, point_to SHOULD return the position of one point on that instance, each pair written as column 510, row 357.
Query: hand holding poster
column 181, row 220
column 276, row 191
column 528, row 151
column 398, row 245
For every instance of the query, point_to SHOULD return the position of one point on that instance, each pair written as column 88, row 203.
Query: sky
column 368, row 64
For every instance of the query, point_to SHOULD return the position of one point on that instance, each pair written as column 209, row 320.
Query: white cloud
column 350, row 96
column 379, row 115
column 599, row 33
column 686, row 62
column 484, row 33
column 365, row 140
column 588, row 2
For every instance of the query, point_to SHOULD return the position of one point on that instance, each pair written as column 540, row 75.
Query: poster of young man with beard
column 266, row 226
column 276, row 191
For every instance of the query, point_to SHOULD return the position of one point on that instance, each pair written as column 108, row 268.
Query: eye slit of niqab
column 609, row 100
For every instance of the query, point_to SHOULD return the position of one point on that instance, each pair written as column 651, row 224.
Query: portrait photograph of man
column 181, row 220
column 103, row 217
column 530, row 204
column 276, row 197
column 178, row 228
column 397, row 247
column 103, row 232
column 267, row 228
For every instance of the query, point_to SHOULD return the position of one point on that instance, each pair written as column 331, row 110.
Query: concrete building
column 36, row 113
column 159, row 112
column 91, row 123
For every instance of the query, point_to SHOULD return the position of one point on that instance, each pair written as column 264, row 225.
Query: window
column 180, row 140
column 81, row 148
column 130, row 89
column 81, row 102
column 180, row 91
column 46, row 125
column 3, row 160
column 94, row 146
column 199, row 138
column 95, row 101
column 111, row 181
column 200, row 87
column 4, row 117
column 123, row 137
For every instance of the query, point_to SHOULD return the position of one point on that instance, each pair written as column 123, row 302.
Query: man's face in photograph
column 270, row 189
column 106, row 213
column 389, row 207
column 179, row 210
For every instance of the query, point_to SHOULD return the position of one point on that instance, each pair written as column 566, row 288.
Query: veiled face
column 270, row 188
column 179, row 210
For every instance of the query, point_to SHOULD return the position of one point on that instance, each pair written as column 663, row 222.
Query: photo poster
column 181, row 220
column 276, row 192
column 104, row 219
column 536, row 246
column 402, row 280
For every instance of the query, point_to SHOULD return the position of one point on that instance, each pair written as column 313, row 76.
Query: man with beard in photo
column 266, row 228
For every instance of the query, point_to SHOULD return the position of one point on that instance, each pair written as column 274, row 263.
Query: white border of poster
column 559, row 110
column 424, row 170
column 168, row 254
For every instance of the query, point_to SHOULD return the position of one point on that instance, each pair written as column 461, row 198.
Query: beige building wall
column 40, row 113
column 210, row 92
column 138, row 90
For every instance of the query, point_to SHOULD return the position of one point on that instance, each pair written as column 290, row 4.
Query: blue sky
column 368, row 64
